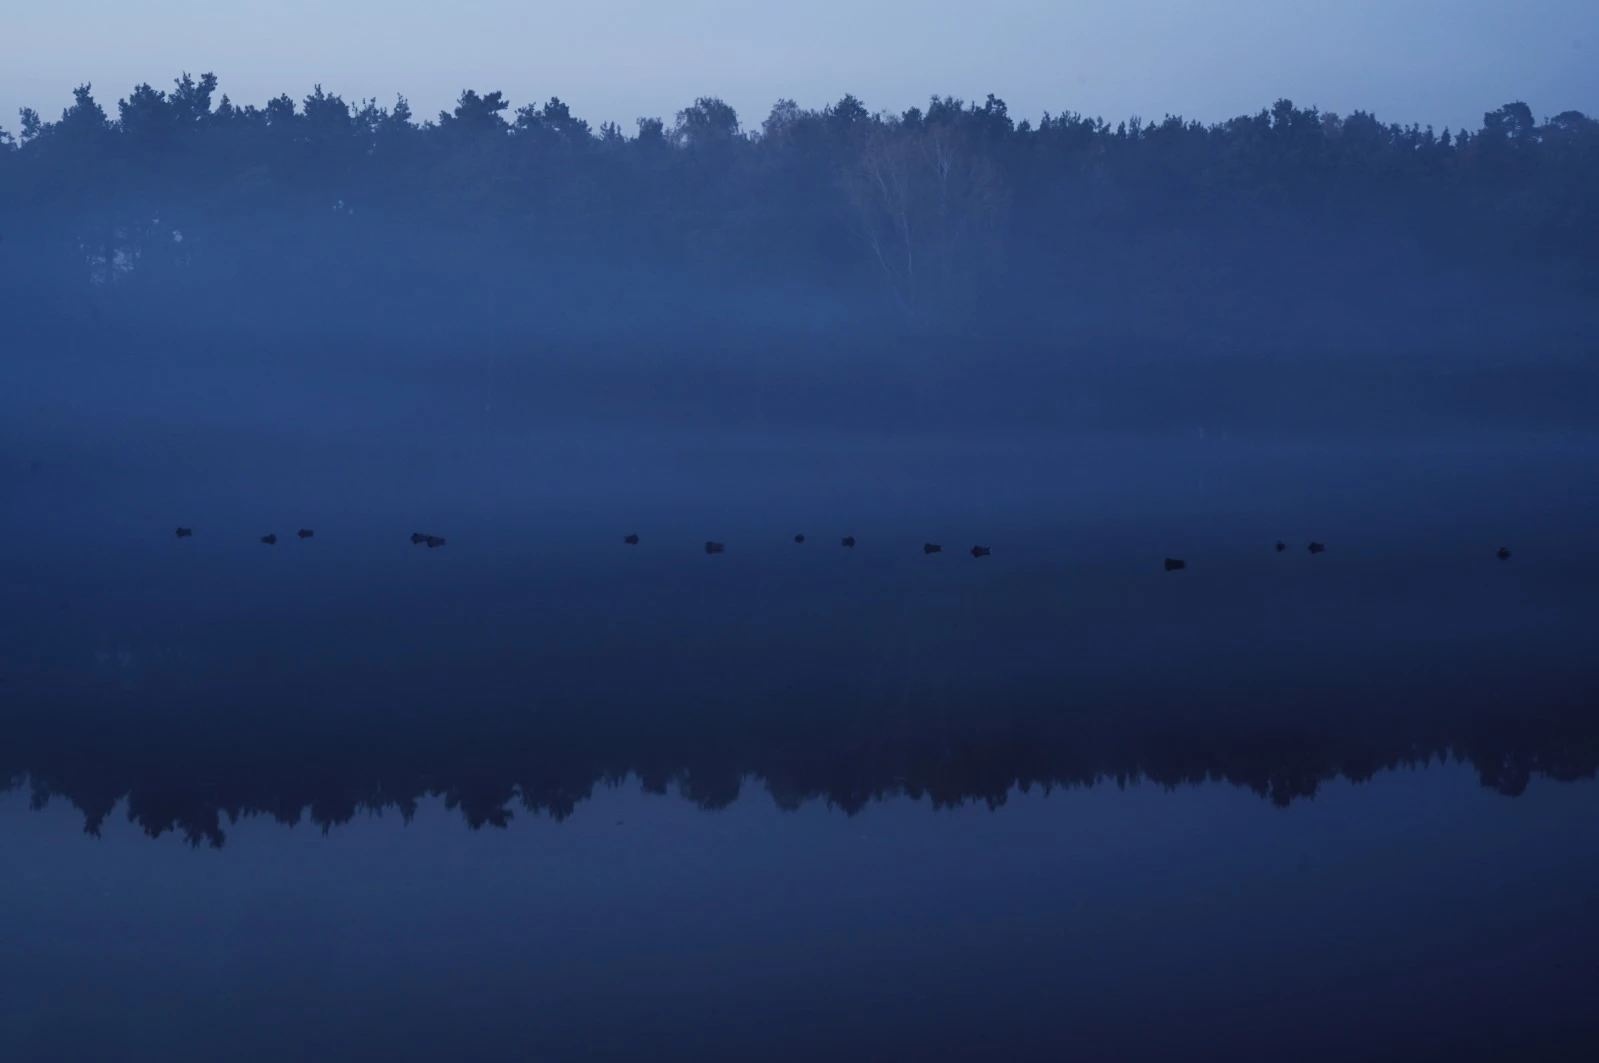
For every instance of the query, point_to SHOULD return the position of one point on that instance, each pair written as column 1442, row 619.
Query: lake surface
column 557, row 797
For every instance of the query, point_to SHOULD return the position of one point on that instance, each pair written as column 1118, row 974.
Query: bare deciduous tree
column 927, row 199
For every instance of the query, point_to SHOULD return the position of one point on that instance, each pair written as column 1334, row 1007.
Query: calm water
column 792, row 802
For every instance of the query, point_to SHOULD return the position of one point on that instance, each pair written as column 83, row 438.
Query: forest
column 182, row 213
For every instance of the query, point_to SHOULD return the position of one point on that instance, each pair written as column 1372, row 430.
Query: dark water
column 791, row 801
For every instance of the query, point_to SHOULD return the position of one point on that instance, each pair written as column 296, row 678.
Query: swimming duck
column 931, row 548
column 1317, row 548
column 848, row 540
column 1173, row 564
column 305, row 533
column 184, row 533
column 714, row 548
column 270, row 540
column 631, row 540
column 1503, row 553
column 980, row 551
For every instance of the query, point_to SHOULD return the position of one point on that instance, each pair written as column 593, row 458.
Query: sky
column 1442, row 62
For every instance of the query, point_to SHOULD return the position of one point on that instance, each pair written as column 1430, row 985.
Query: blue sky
column 1438, row 61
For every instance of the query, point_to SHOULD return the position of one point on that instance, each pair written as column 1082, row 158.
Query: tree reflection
column 197, row 780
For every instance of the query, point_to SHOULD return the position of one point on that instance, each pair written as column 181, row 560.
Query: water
column 1415, row 915
column 790, row 801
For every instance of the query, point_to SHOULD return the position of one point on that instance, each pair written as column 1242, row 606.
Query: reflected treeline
column 197, row 773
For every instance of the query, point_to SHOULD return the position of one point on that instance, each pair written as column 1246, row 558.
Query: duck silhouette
column 1503, row 553
column 980, row 551
column 434, row 540
column 848, row 540
column 714, row 548
column 270, row 539
column 305, row 533
column 1281, row 546
column 418, row 538
column 932, row 548
column 799, row 538
column 631, row 540
column 1318, row 548
column 1174, row 563
column 184, row 533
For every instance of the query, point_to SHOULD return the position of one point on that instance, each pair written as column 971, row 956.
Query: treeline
column 183, row 207
column 197, row 773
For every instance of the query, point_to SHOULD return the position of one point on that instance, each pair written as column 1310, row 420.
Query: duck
column 418, row 538
column 1175, row 563
column 932, row 548
column 271, row 539
column 184, row 533
column 434, row 540
column 1503, row 553
column 1281, row 546
column 714, row 548
column 631, row 540
column 1318, row 548
column 980, row 551
column 799, row 538
column 305, row 533
column 848, row 540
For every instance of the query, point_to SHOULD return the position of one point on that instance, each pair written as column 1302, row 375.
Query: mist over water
column 536, row 606
column 539, row 792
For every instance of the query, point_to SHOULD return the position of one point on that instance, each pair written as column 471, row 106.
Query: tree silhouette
column 188, row 208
